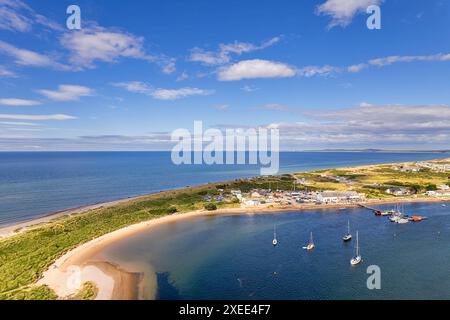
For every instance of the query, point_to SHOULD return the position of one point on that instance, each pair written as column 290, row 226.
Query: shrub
column 172, row 210
column 210, row 207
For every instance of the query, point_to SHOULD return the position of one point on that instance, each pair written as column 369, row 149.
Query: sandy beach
column 66, row 275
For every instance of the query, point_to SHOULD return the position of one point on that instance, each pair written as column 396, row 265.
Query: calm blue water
column 35, row 184
column 231, row 257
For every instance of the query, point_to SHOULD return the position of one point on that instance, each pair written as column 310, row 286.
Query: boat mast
column 357, row 243
column 348, row 227
column 311, row 239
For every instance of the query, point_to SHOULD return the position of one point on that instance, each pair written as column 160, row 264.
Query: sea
column 35, row 184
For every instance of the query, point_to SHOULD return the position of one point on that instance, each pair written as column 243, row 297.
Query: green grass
column 88, row 292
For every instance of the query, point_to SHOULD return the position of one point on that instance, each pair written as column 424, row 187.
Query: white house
column 337, row 196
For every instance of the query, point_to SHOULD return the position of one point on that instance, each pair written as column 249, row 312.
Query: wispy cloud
column 31, row 117
column 160, row 93
column 174, row 94
column 248, row 88
column 26, row 57
column 98, row 44
column 4, row 72
column 15, row 123
column 311, row 71
column 16, row 15
column 67, row 92
column 14, row 102
column 224, row 54
column 343, row 11
column 135, row 87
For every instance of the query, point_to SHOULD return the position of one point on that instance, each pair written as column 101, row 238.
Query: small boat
column 387, row 212
column 357, row 259
column 348, row 236
column 394, row 218
column 274, row 241
column 311, row 244
column 417, row 218
column 377, row 212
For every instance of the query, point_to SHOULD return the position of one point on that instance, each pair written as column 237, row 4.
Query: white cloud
column 357, row 67
column 183, row 76
column 311, row 71
column 18, row 102
column 95, row 43
column 67, row 92
column 381, row 62
column 343, row 11
column 223, row 55
column 385, row 126
column 253, row 69
column 15, row 123
column 174, row 94
column 160, row 93
column 134, row 86
column 15, row 15
column 29, row 58
column 59, row 117
column 6, row 73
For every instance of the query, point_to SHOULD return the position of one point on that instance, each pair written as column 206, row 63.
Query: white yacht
column 357, row 259
column 311, row 244
column 348, row 236
column 274, row 241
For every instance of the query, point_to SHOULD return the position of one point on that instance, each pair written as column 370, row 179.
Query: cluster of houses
column 442, row 191
column 435, row 167
column 406, row 168
column 263, row 196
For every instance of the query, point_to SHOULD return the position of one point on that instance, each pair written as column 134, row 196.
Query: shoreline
column 14, row 228
column 128, row 281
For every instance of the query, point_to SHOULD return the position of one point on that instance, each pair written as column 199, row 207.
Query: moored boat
column 357, row 259
column 348, row 236
column 310, row 246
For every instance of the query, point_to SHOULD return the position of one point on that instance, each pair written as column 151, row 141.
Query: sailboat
column 348, row 236
column 311, row 244
column 274, row 241
column 357, row 259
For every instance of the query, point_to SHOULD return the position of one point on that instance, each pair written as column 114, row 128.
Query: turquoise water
column 231, row 257
column 37, row 183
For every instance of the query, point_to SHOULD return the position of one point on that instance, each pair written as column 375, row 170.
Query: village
column 266, row 197
column 346, row 187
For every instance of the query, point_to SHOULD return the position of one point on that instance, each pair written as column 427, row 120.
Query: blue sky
column 139, row 69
